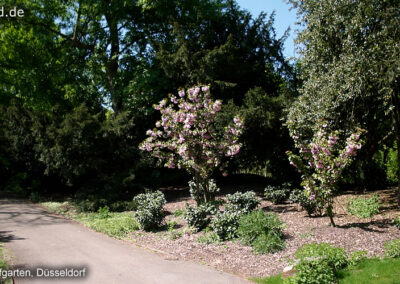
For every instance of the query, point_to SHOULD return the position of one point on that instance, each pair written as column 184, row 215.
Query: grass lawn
column 374, row 271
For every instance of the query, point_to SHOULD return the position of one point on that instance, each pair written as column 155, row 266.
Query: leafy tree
column 350, row 69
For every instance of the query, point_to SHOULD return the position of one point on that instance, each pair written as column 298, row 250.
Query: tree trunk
column 329, row 212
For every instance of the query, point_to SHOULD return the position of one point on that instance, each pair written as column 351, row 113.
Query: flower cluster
column 186, row 136
column 321, row 163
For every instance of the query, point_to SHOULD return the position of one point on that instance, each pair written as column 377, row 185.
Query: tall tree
column 351, row 68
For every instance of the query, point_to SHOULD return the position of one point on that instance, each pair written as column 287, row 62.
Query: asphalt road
column 38, row 239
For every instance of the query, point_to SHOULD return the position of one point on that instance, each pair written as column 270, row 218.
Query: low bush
column 150, row 213
column 199, row 217
column 278, row 194
column 242, row 203
column 364, row 207
column 225, row 224
column 310, row 205
column 262, row 231
column 318, row 263
column 393, row 248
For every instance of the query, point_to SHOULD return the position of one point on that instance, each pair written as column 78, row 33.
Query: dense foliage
column 150, row 212
column 74, row 113
column 350, row 76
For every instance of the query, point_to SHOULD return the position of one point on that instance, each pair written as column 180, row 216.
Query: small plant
column 318, row 263
column 393, row 248
column 208, row 238
column 172, row 232
column 199, row 217
column 179, row 213
column 242, row 203
column 262, row 231
column 103, row 212
column 307, row 203
column 225, row 224
column 278, row 194
column 171, row 225
column 34, row 197
column 396, row 222
column 364, row 207
column 150, row 213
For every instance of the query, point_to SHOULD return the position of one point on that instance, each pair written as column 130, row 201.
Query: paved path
column 37, row 238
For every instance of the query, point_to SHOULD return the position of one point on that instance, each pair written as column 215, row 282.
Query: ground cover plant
column 4, row 264
column 114, row 224
column 364, row 207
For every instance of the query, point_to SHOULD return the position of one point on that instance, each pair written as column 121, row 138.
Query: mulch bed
column 351, row 233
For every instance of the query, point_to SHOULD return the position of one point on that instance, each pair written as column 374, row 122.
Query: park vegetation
column 106, row 102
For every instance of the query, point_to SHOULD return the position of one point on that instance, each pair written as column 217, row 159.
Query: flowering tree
column 186, row 136
column 321, row 163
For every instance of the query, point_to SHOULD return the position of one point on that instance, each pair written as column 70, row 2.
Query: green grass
column 114, row 224
column 269, row 280
column 369, row 271
column 377, row 271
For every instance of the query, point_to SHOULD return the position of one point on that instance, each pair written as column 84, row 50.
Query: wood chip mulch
column 351, row 233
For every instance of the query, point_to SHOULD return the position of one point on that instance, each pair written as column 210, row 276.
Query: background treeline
column 78, row 80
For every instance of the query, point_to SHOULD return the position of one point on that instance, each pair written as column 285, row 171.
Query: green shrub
column 393, row 248
column 150, row 213
column 262, row 231
column 278, row 194
column 241, row 202
column 225, row 224
column 310, row 205
column 364, row 207
column 318, row 263
column 335, row 257
column 199, row 217
column 312, row 272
